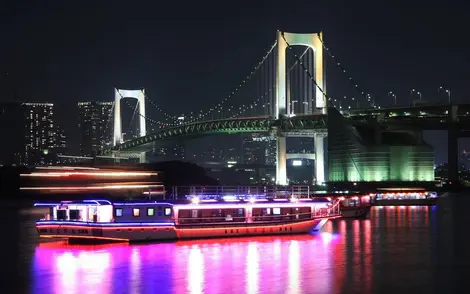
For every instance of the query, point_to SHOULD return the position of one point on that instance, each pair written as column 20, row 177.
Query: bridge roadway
column 422, row 117
column 298, row 126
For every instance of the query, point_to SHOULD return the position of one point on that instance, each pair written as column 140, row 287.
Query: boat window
column 74, row 214
column 61, row 214
column 118, row 212
column 136, row 212
column 150, row 211
column 167, row 211
column 276, row 210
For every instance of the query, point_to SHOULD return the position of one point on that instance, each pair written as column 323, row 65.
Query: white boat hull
column 175, row 232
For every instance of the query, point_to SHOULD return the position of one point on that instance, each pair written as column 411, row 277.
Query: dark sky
column 195, row 52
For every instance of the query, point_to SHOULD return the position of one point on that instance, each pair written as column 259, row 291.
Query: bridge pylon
column 314, row 41
column 118, row 96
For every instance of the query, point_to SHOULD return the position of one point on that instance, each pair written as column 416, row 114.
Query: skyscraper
column 42, row 137
column 95, row 126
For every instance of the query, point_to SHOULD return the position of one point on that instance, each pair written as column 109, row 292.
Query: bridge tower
column 282, row 104
column 118, row 95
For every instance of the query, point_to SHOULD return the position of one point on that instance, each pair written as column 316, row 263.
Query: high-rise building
column 42, row 137
column 259, row 149
column 95, row 126
column 34, row 136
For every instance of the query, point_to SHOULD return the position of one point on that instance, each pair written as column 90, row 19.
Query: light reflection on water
column 395, row 250
column 285, row 264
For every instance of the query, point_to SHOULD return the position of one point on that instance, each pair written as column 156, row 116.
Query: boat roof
column 204, row 202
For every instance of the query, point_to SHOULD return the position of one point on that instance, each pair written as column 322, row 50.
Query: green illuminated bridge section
column 428, row 111
column 426, row 117
column 299, row 125
column 430, row 117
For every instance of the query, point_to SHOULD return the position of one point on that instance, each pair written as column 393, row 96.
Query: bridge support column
column 142, row 157
column 281, row 161
column 453, row 154
column 117, row 157
column 319, row 158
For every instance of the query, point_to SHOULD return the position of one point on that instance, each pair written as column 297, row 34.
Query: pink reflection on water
column 283, row 264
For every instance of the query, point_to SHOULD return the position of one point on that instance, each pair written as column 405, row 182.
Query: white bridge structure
column 316, row 104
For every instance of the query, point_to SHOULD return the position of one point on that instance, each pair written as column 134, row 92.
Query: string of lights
column 203, row 114
column 243, row 108
column 342, row 69
column 321, row 90
column 170, row 117
column 151, row 121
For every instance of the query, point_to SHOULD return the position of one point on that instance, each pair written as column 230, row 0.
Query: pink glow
column 278, row 264
column 247, row 205
column 89, row 174
column 80, row 188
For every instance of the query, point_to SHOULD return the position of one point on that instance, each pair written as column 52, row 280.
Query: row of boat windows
column 136, row 212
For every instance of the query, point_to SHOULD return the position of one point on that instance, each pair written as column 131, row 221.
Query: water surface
column 397, row 250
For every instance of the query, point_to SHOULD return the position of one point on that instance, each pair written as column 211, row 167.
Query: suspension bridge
column 285, row 94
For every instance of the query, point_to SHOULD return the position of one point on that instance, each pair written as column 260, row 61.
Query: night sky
column 190, row 54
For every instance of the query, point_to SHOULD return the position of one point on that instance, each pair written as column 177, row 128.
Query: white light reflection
column 195, row 270
column 294, row 267
column 326, row 238
column 135, row 271
column 252, row 269
column 88, row 267
column 67, row 266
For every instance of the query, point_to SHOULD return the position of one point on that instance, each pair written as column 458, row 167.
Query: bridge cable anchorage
column 343, row 70
column 323, row 92
column 203, row 114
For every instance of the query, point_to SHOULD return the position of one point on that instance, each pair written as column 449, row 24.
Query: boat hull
column 356, row 212
column 135, row 233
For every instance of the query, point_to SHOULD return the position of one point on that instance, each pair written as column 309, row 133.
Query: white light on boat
column 195, row 200
column 252, row 200
column 293, row 199
column 230, row 198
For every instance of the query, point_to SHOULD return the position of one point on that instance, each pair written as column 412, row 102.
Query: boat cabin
column 143, row 212
column 82, row 211
column 246, row 212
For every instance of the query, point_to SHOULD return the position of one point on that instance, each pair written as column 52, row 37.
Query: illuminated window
column 167, row 211
column 136, row 212
column 118, row 212
column 276, row 211
column 150, row 211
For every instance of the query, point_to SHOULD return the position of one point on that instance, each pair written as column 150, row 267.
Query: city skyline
column 394, row 55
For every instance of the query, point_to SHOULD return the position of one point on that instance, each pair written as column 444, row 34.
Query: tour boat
column 355, row 207
column 190, row 219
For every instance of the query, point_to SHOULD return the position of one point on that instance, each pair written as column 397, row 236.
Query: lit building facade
column 43, row 139
column 371, row 155
column 175, row 151
column 258, row 148
column 95, row 126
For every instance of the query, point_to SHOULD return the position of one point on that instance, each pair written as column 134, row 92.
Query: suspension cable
column 350, row 79
column 321, row 90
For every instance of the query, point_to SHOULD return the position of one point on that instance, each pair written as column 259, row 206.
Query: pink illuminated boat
column 191, row 219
